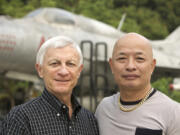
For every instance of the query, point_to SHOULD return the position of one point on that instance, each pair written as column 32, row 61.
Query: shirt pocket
column 146, row 131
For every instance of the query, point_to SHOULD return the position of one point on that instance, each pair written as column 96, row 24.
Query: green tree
column 13, row 8
column 158, row 17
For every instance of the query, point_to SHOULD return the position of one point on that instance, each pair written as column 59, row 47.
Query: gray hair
column 57, row 42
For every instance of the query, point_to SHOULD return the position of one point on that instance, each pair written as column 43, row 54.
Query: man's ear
column 39, row 70
column 153, row 65
column 80, row 69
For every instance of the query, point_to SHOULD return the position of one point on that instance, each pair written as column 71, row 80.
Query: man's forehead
column 65, row 49
column 65, row 52
column 132, row 41
column 134, row 52
column 132, row 36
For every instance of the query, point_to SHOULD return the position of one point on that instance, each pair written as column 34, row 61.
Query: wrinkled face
column 60, row 69
column 132, row 63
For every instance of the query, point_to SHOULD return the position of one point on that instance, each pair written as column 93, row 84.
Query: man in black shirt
column 56, row 111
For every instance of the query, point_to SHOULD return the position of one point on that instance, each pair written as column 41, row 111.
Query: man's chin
column 61, row 90
column 130, row 85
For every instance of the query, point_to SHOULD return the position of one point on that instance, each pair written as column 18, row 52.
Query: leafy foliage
column 163, row 85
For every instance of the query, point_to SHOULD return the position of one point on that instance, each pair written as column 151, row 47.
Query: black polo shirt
column 46, row 115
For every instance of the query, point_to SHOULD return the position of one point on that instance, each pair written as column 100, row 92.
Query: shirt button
column 70, row 127
column 64, row 106
column 58, row 114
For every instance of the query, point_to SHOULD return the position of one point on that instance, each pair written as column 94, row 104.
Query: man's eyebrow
column 72, row 61
column 53, row 59
column 121, row 53
column 139, row 53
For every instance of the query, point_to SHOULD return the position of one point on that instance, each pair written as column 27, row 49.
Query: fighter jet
column 21, row 38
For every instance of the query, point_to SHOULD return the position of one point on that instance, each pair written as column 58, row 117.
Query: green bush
column 162, row 85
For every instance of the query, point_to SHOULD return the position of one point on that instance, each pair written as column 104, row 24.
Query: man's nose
column 63, row 70
column 131, row 65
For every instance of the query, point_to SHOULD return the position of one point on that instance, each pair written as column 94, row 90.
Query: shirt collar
column 138, row 101
column 57, row 104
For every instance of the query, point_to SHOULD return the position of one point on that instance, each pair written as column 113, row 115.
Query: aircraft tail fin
column 174, row 36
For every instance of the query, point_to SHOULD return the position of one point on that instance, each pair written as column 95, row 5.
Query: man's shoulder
column 110, row 99
column 21, row 110
column 165, row 99
column 108, row 102
column 165, row 102
column 18, row 116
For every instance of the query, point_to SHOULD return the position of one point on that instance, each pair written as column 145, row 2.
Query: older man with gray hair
column 56, row 111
